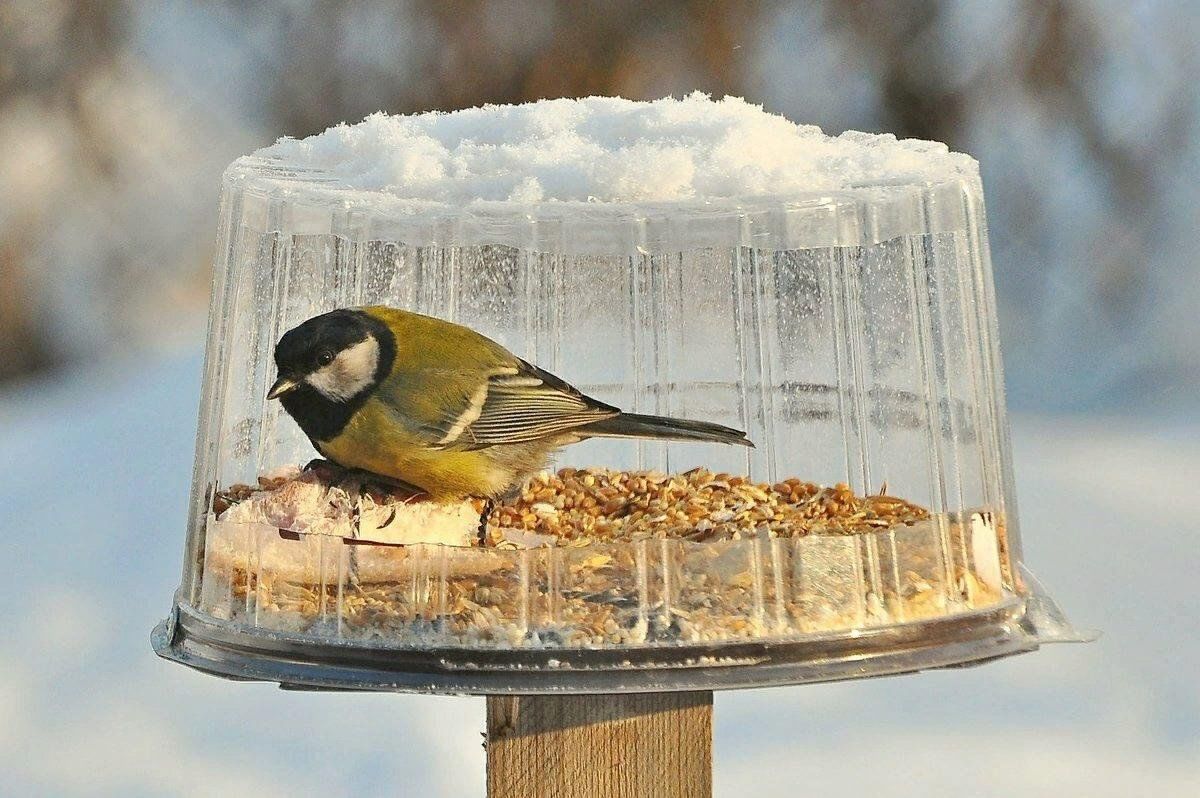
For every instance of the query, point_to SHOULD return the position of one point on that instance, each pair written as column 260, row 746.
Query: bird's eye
column 325, row 358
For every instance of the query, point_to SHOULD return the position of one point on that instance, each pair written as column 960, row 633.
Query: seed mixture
column 599, row 504
column 596, row 558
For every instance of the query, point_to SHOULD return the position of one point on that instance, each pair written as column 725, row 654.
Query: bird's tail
column 635, row 425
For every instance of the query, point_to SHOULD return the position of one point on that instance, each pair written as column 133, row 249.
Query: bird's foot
column 326, row 470
column 363, row 481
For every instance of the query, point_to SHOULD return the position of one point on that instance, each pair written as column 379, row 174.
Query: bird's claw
column 324, row 469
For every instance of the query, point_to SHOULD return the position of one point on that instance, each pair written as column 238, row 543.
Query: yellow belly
column 373, row 442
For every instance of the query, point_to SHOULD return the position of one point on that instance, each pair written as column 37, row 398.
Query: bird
column 435, row 405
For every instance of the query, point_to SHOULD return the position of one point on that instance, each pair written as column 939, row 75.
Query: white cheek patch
column 351, row 372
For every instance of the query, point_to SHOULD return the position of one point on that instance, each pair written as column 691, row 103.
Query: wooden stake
column 600, row 746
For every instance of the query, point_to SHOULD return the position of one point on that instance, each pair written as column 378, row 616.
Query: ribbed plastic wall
column 852, row 336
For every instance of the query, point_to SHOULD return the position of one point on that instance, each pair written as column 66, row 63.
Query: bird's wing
column 518, row 404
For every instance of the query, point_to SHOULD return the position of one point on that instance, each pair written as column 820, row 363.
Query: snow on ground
column 91, row 530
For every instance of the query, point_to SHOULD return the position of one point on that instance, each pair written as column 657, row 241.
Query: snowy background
column 115, row 121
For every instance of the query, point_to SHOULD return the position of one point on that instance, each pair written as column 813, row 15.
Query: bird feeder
column 832, row 297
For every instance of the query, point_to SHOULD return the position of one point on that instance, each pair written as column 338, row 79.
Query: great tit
column 438, row 406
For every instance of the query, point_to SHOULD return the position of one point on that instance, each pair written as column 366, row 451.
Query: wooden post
column 596, row 746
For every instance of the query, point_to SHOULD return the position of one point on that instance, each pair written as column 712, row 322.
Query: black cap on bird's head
column 338, row 354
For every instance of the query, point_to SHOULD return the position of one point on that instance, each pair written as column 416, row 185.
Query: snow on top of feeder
column 614, row 150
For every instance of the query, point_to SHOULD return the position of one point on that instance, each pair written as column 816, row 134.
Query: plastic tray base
column 191, row 639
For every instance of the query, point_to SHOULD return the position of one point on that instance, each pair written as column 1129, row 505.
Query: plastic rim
column 296, row 662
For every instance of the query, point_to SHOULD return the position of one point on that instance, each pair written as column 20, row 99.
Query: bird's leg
column 488, row 506
column 352, row 570
column 352, row 555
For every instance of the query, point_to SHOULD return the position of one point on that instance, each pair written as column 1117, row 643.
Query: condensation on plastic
column 852, row 335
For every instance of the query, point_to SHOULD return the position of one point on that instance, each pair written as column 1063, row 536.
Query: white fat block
column 451, row 524
column 306, row 506
column 985, row 549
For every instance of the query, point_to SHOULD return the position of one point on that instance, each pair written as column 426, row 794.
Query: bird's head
column 338, row 354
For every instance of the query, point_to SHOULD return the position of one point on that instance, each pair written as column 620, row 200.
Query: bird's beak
column 281, row 386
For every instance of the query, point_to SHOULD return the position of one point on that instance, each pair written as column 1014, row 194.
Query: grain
column 606, row 505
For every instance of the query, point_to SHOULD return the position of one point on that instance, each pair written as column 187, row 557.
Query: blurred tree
column 23, row 348
column 1049, row 59
column 345, row 61
column 49, row 55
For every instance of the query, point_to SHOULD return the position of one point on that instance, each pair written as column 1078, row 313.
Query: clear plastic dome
column 849, row 332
